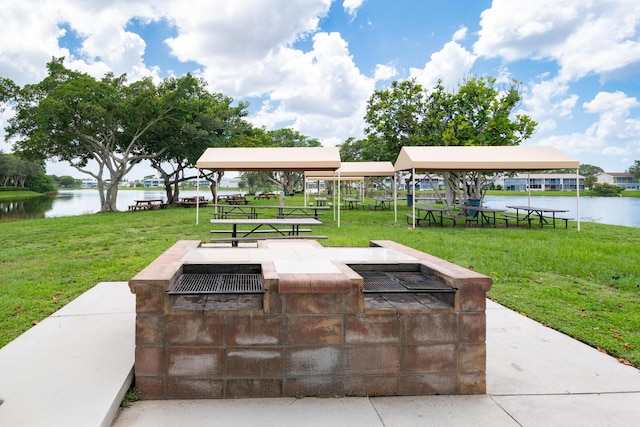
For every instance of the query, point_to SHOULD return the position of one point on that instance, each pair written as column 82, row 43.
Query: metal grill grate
column 401, row 281
column 378, row 281
column 418, row 281
column 236, row 283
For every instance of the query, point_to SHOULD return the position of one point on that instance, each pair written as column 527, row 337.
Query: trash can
column 409, row 200
column 473, row 202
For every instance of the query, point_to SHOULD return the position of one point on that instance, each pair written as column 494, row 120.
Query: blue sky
column 313, row 64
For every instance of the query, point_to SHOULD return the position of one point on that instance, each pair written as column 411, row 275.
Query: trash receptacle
column 473, row 202
column 409, row 200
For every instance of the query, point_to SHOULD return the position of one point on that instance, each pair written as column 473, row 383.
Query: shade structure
column 243, row 159
column 487, row 159
column 484, row 158
column 356, row 171
column 270, row 158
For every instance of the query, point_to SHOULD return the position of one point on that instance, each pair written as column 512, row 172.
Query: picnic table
column 532, row 211
column 237, row 199
column 265, row 196
column 147, row 204
column 279, row 226
column 297, row 211
column 429, row 215
column 382, row 202
column 486, row 215
column 225, row 211
column 321, row 201
column 191, row 201
column 350, row 202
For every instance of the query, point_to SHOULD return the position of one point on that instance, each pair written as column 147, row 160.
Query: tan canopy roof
column 485, row 158
column 270, row 158
column 351, row 170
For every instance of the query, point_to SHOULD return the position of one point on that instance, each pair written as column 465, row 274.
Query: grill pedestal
column 225, row 327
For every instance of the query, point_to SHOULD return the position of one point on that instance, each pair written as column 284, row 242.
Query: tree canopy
column 70, row 116
column 479, row 113
column 634, row 170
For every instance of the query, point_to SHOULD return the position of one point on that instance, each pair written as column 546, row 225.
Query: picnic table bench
column 265, row 196
column 273, row 225
column 148, row 204
column 237, row 199
column 186, row 202
column 235, row 240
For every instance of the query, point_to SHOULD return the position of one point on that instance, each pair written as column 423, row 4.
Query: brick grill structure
column 309, row 334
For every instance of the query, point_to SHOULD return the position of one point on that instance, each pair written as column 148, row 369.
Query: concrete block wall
column 315, row 336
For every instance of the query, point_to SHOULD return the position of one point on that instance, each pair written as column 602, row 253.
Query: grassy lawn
column 586, row 284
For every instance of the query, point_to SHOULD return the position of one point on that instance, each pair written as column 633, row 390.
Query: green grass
column 18, row 195
column 585, row 284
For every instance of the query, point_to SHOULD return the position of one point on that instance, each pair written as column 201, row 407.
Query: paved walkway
column 73, row 368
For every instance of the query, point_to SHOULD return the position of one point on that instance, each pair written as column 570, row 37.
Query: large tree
column 200, row 120
column 478, row 113
column 286, row 137
column 70, row 116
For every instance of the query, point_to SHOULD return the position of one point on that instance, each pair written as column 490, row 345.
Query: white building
column 623, row 180
column 540, row 182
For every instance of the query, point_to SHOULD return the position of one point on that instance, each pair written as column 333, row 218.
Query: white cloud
column 384, row 72
column 582, row 36
column 614, row 122
column 616, row 132
column 352, row 6
column 320, row 93
column 451, row 64
column 547, row 101
column 460, row 34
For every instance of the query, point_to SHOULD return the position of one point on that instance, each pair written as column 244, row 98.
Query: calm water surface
column 605, row 210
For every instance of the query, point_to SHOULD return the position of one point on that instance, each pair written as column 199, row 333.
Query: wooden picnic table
column 265, row 196
column 532, row 211
column 191, row 201
column 147, row 204
column 265, row 225
column 237, row 199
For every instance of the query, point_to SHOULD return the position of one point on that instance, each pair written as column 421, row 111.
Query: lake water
column 605, row 210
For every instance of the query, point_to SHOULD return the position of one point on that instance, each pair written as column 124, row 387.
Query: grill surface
column 401, row 281
column 221, row 283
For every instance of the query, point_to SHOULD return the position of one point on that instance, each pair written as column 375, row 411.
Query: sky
column 312, row 64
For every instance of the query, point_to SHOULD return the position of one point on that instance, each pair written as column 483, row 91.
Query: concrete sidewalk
column 535, row 377
column 74, row 367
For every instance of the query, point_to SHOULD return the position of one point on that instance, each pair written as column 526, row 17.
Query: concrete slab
column 73, row 368
column 432, row 411
column 276, row 412
column 573, row 410
column 525, row 357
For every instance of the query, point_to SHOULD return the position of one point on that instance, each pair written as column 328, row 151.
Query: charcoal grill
column 240, row 283
column 219, row 279
column 299, row 319
column 398, row 278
